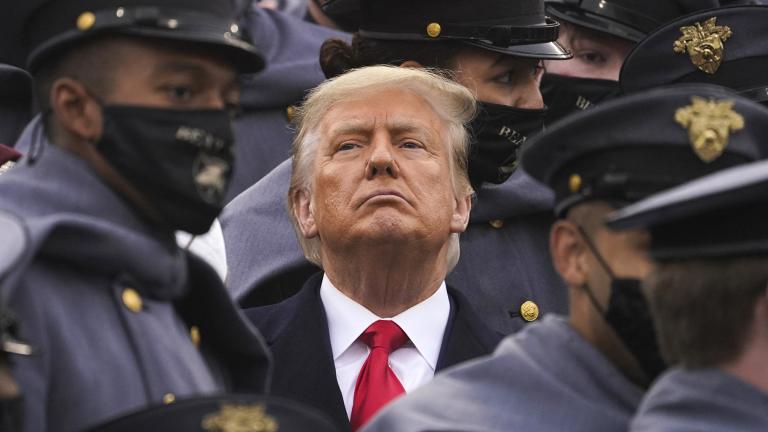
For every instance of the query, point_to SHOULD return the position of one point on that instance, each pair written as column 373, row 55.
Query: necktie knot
column 384, row 334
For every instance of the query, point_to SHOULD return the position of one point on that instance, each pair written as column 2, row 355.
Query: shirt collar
column 424, row 323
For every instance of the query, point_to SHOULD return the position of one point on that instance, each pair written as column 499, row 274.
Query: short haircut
column 703, row 308
column 453, row 103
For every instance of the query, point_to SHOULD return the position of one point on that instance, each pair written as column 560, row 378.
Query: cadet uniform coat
column 504, row 259
column 547, row 378
column 704, row 400
column 120, row 317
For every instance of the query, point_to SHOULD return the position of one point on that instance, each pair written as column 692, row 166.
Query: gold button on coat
column 132, row 300
column 290, row 113
column 529, row 311
column 169, row 398
column 194, row 334
column 496, row 223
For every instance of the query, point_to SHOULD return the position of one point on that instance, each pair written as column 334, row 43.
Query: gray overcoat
column 119, row 316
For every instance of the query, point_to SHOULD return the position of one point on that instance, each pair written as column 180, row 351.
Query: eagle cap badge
column 240, row 418
column 709, row 123
column 705, row 44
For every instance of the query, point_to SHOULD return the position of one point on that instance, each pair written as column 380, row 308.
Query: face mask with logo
column 564, row 95
column 181, row 161
column 629, row 316
column 497, row 133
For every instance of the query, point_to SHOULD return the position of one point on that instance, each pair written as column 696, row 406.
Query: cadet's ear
column 302, row 211
column 76, row 112
column 567, row 248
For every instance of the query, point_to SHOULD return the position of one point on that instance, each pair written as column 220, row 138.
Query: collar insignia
column 705, row 44
column 709, row 124
column 240, row 418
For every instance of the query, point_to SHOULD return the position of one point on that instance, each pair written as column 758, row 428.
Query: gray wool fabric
column 500, row 268
column 703, row 400
column 263, row 135
column 95, row 357
column 544, row 378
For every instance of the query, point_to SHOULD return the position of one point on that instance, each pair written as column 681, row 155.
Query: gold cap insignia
column 574, row 183
column 85, row 21
column 240, row 418
column 434, row 29
column 704, row 44
column 709, row 123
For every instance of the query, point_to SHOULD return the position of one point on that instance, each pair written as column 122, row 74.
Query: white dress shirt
column 413, row 364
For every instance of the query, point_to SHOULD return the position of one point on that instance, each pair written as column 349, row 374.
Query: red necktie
column 377, row 384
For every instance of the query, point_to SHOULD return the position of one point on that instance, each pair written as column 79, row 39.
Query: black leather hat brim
column 595, row 22
column 240, row 54
column 545, row 51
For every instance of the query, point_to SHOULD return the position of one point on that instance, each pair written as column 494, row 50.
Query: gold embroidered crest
column 704, row 44
column 240, row 418
column 709, row 124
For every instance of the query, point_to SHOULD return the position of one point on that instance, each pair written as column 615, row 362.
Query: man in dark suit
column 378, row 196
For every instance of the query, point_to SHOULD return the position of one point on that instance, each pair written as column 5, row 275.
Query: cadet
column 709, row 299
column 600, row 34
column 135, row 143
column 504, row 268
column 588, row 371
column 721, row 46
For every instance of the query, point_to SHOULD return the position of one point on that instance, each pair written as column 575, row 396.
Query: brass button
column 290, row 113
column 529, row 311
column 496, row 223
column 194, row 334
column 85, row 21
column 169, row 398
column 132, row 300
column 574, row 183
column 434, row 29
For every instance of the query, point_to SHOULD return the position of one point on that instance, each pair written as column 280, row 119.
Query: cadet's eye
column 506, row 77
column 592, row 57
column 180, row 93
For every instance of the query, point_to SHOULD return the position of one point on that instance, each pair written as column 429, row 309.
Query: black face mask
column 565, row 95
column 629, row 316
column 180, row 160
column 498, row 132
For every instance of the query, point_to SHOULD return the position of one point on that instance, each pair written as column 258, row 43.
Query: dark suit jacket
column 297, row 332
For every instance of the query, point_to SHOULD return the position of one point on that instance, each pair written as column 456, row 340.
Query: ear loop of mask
column 603, row 264
column 37, row 147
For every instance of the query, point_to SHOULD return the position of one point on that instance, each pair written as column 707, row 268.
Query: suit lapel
column 304, row 369
column 466, row 336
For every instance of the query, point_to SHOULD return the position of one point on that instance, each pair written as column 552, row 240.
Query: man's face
column 499, row 78
column 382, row 175
column 595, row 54
column 162, row 77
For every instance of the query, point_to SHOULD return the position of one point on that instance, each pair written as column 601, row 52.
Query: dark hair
column 703, row 308
column 91, row 62
column 337, row 57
